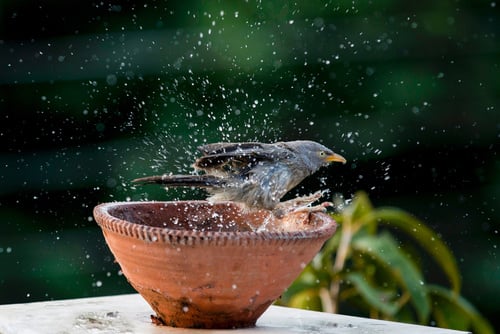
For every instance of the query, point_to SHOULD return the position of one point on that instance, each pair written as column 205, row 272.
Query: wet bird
column 255, row 174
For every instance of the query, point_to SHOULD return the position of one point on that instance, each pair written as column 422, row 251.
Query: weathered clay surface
column 201, row 265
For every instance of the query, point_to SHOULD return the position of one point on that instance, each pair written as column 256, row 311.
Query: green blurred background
column 95, row 94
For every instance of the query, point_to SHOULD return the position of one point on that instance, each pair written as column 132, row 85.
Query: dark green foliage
column 368, row 269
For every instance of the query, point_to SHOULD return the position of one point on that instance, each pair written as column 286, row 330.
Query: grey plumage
column 255, row 174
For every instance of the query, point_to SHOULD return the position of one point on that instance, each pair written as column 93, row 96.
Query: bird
column 254, row 174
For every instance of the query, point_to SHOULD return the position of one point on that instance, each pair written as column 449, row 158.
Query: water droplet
column 111, row 79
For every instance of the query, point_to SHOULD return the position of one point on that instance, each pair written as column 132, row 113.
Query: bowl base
column 230, row 324
column 180, row 313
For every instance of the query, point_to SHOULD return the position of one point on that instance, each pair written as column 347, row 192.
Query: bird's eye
column 322, row 153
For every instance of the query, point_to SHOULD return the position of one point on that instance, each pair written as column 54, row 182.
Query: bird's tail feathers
column 182, row 180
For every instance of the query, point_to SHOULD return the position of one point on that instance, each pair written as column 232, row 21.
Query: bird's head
column 315, row 155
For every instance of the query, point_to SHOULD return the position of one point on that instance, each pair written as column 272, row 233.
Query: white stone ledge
column 131, row 314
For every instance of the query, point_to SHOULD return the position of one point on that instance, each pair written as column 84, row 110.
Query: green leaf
column 427, row 239
column 360, row 207
column 329, row 249
column 453, row 311
column 306, row 299
column 385, row 250
column 379, row 299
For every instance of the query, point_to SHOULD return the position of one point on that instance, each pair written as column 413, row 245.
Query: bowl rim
column 151, row 233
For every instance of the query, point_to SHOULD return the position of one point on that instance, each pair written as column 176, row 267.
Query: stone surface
column 131, row 314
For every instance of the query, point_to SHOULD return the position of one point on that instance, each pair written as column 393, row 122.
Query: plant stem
column 326, row 300
column 338, row 265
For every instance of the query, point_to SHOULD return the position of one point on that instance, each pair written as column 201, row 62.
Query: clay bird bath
column 204, row 265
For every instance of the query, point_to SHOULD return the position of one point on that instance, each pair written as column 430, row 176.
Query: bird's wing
column 219, row 148
column 238, row 158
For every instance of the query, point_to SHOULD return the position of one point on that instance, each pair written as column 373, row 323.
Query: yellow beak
column 335, row 158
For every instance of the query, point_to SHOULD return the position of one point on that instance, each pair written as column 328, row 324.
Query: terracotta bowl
column 202, row 265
